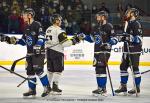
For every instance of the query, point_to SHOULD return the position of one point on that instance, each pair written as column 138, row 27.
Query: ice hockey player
column 103, row 37
column 134, row 41
column 56, row 41
column 33, row 37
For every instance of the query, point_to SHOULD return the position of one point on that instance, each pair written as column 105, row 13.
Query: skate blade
column 29, row 97
column 121, row 94
column 56, row 93
column 100, row 95
column 138, row 94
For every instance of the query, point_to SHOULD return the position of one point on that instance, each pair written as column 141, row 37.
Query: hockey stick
column 145, row 72
column 131, row 67
column 108, row 72
column 21, row 83
column 16, row 61
column 25, row 79
column 18, row 74
column 109, row 75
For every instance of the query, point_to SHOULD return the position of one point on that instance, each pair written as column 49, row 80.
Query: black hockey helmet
column 102, row 13
column 55, row 17
column 132, row 10
column 29, row 11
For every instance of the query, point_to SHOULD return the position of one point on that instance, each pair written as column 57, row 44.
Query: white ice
column 77, row 83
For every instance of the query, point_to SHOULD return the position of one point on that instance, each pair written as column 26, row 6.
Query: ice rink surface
column 77, row 84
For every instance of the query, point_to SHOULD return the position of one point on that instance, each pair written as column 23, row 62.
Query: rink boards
column 80, row 54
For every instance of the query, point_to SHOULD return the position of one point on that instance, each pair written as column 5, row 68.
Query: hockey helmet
column 102, row 13
column 132, row 10
column 29, row 11
column 55, row 17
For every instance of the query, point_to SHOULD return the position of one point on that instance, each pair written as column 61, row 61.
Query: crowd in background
column 77, row 17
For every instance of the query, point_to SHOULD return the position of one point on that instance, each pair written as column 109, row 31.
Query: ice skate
column 122, row 90
column 30, row 93
column 100, row 92
column 56, row 90
column 132, row 91
column 46, row 91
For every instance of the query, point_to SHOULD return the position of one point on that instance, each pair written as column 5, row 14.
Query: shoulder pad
column 38, row 23
column 138, row 24
column 59, row 31
column 109, row 24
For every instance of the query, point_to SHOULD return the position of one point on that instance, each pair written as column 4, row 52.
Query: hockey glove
column 124, row 37
column 13, row 40
column 136, row 39
column 5, row 38
column 105, row 46
column 77, row 38
column 2, row 37
column 37, row 49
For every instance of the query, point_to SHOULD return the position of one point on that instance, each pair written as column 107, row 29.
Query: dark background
column 78, row 15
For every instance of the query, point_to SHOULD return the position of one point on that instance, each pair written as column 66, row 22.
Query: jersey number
column 49, row 37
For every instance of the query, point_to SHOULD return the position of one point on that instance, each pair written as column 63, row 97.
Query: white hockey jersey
column 56, row 36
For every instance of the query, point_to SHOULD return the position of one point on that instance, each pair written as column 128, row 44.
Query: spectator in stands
column 86, row 13
column 62, row 10
column 15, row 7
column 75, row 27
column 69, row 14
column 14, row 22
column 128, row 6
column 5, row 12
column 1, row 16
column 104, row 8
column 120, row 17
column 85, row 27
column 94, row 9
column 120, row 10
column 44, row 17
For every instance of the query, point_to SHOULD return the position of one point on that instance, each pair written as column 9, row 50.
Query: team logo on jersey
column 33, row 33
column 29, row 40
column 48, row 31
column 40, row 29
column 97, row 39
column 131, row 32
column 48, row 37
column 140, row 31
column 112, row 31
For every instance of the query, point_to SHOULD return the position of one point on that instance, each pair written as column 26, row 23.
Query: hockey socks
column 44, row 79
column 101, row 80
column 137, row 76
column 31, row 85
column 124, row 77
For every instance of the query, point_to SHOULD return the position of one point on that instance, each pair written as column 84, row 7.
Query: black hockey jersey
column 103, row 34
column 32, row 35
column 134, row 28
